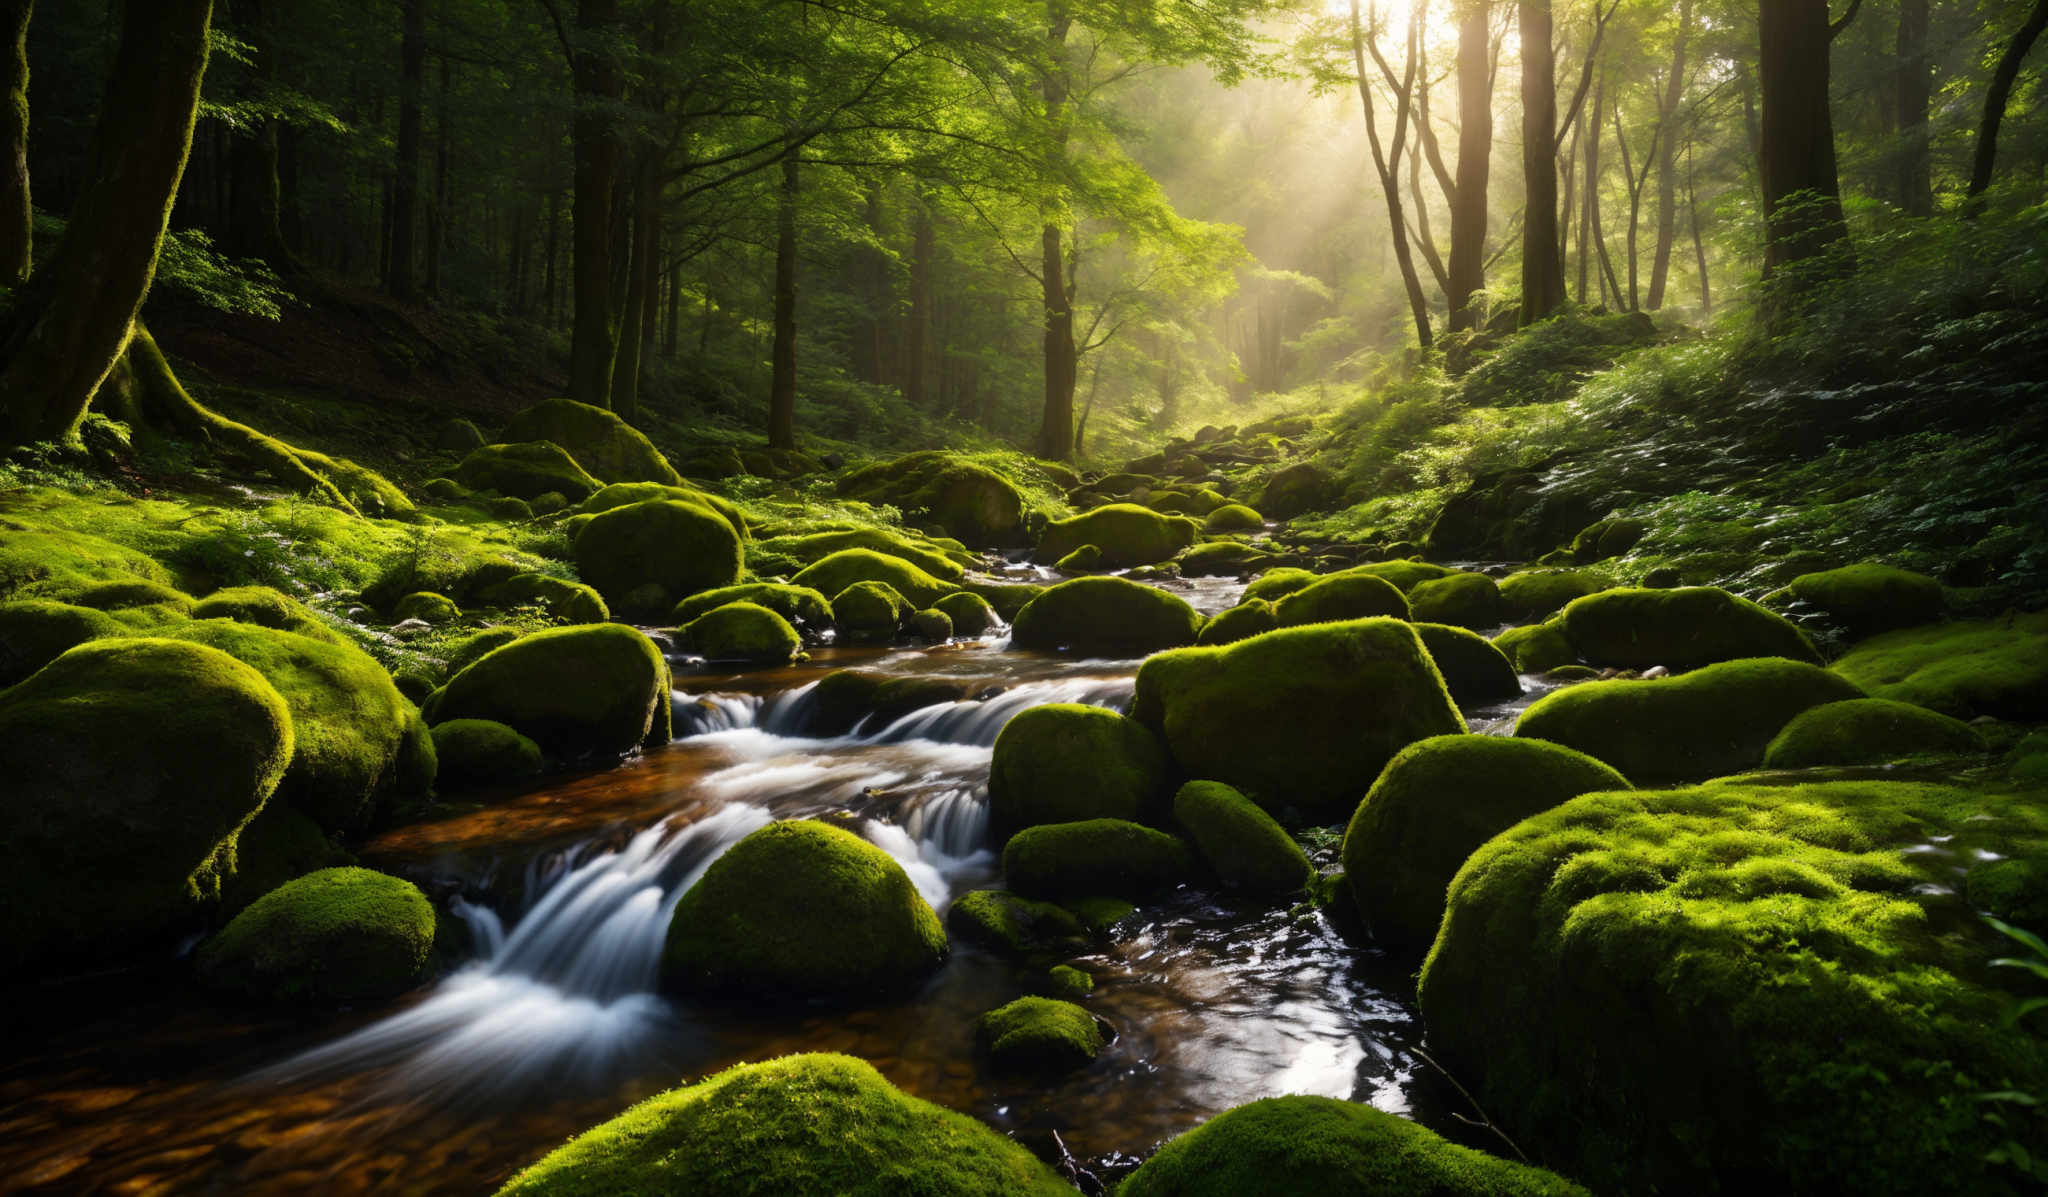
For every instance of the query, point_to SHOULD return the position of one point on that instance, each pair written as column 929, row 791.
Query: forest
column 1169, row 598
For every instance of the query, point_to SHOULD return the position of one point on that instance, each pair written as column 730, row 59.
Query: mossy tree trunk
column 17, row 217
column 74, row 317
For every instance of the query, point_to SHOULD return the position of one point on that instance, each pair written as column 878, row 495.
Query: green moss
column 1539, row 593
column 971, row 614
column 1219, row 557
column 625, row 494
column 1064, row 762
column 800, row 1124
column 743, row 631
column 645, row 557
column 278, row 845
column 152, row 602
column 1868, row 599
column 2015, row 890
column 35, row 632
column 1436, row 803
column 808, row 549
column 469, row 650
column 801, row 909
column 1993, row 667
column 803, row 607
column 1297, row 489
column 1006, row 597
column 1462, row 600
column 1233, row 517
column 524, row 470
column 1039, row 1035
column 1341, row 596
column 600, row 441
column 1709, row 723
column 266, row 607
column 1405, row 574
column 1241, row 844
column 971, row 500
column 837, row 571
column 1318, row 1146
column 871, row 611
column 478, row 752
column 1094, row 857
column 1250, row 618
column 1679, row 629
column 1276, row 584
column 1068, row 982
column 337, row 935
column 931, row 625
column 593, row 690
column 1301, row 718
column 132, row 767
column 1474, row 670
column 1080, row 561
column 563, row 600
column 1868, row 731
column 55, row 562
column 1112, row 616
column 1004, row 922
column 844, row 698
column 509, row 509
column 1607, row 538
column 427, row 607
column 1126, row 533
column 1609, row 973
column 1537, row 647
column 1099, row 913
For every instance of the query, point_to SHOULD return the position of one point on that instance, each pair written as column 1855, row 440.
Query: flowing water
column 135, row 1083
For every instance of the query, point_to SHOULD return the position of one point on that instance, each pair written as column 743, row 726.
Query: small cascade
column 700, row 714
column 976, row 721
column 941, row 841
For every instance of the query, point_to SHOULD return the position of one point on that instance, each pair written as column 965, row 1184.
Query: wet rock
column 1094, row 857
column 1040, row 1036
column 1105, row 616
column 1005, row 922
column 1680, row 629
column 592, row 690
column 932, row 626
column 479, row 752
column 1240, row 843
column 1341, row 596
column 744, row 632
column 1474, row 670
column 1065, row 762
column 1219, row 557
column 847, row 698
column 338, row 935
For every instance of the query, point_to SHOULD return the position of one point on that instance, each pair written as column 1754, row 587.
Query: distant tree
column 1796, row 141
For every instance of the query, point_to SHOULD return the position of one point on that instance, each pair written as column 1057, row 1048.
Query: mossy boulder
column 338, row 935
column 132, row 767
column 1339, row 597
column 1094, row 857
column 1462, row 600
column 1065, row 762
column 1995, row 667
column 871, row 611
column 1233, row 517
column 1082, row 560
column 801, row 1124
column 972, row 502
column 1018, row 926
column 268, row 607
column 509, row 509
column 836, row 571
column 1737, row 989
column 1709, row 723
column 1867, row 599
column 1540, row 593
column 1126, row 533
column 470, row 649
column 427, row 607
column 1240, row 843
column 138, row 601
column 802, row 910
column 1320, row 1147
column 1474, row 670
column 803, row 550
column 1066, row 981
column 1219, row 557
column 359, row 747
column 1436, row 803
column 1105, row 616
column 1868, row 731
column 1403, row 572
column 1679, row 629
column 53, row 563
column 1301, row 718
column 593, row 690
column 566, row 601
column 524, row 470
column 931, row 625
column 1007, row 598
column 971, row 614
column 742, row 631
column 35, row 632
column 1277, row 583
column 645, row 557
column 279, row 844
column 846, row 698
column 479, row 752
column 804, row 608
column 1040, row 1036
column 1537, row 647
column 599, row 440
column 625, row 494
column 2013, row 891
column 1607, row 538
column 1296, row 490
column 1250, row 618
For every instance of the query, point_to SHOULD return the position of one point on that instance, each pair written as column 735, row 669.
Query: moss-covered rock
column 1868, row 731
column 427, row 607
column 972, row 502
column 337, row 935
column 1113, row 616
column 645, row 557
column 1868, row 599
column 1607, row 538
column 153, row 603
column 742, row 631
column 1539, row 593
column 871, row 611
column 268, row 607
column 2013, row 890
column 1537, row 647
column 931, row 625
column 1240, row 843
column 1403, row 572
column 566, row 601
column 279, row 844
column 1277, row 583
column 55, row 563
column 1064, row 762
column 132, row 767
column 35, row 632
column 1341, row 596
column 509, row 509
column 470, row 649
column 1736, row 989
column 1296, row 490
column 1709, row 723
column 971, row 614
column 599, row 440
column 1462, row 600
column 1434, row 805
column 800, row 551
column 1005, row 922
column 1250, row 618
column 1679, row 629
column 524, row 470
column 1319, row 1147
column 1993, row 667
column 1475, row 671
column 802, row 1124
column 1094, row 857
column 1082, row 560
column 1302, row 717
column 625, row 494
column 837, row 571
column 1126, row 533
column 1218, row 557
column 804, row 608
column 1039, row 1035
column 594, row 690
column 1007, row 598
column 846, row 698
column 802, row 910
column 1233, row 517
column 1066, row 981
column 479, row 752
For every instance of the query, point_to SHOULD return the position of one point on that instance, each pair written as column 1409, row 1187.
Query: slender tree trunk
column 1699, row 245
column 650, row 311
column 1915, row 92
column 1996, row 94
column 1589, row 203
column 593, row 338
column 251, row 228
column 917, row 333
column 1636, row 181
column 1796, row 157
column 17, row 215
column 1467, row 268
column 782, row 356
column 550, row 308
column 638, row 297
column 405, row 187
column 1056, row 427
column 1387, row 160
column 76, row 313
column 1667, row 158
column 673, row 336
column 1542, row 271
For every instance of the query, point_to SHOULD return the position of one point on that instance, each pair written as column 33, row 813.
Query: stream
column 138, row 1082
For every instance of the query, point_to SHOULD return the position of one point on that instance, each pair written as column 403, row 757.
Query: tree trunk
column 437, row 214
column 252, row 228
column 17, row 216
column 1056, row 426
column 405, row 184
column 1467, row 269
column 1542, row 270
column 917, row 333
column 1667, row 159
column 593, row 337
column 1699, row 245
column 639, row 293
column 1995, row 96
column 1387, row 160
column 1589, row 203
column 782, row 357
column 1915, row 93
column 1796, row 155
column 75, row 315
